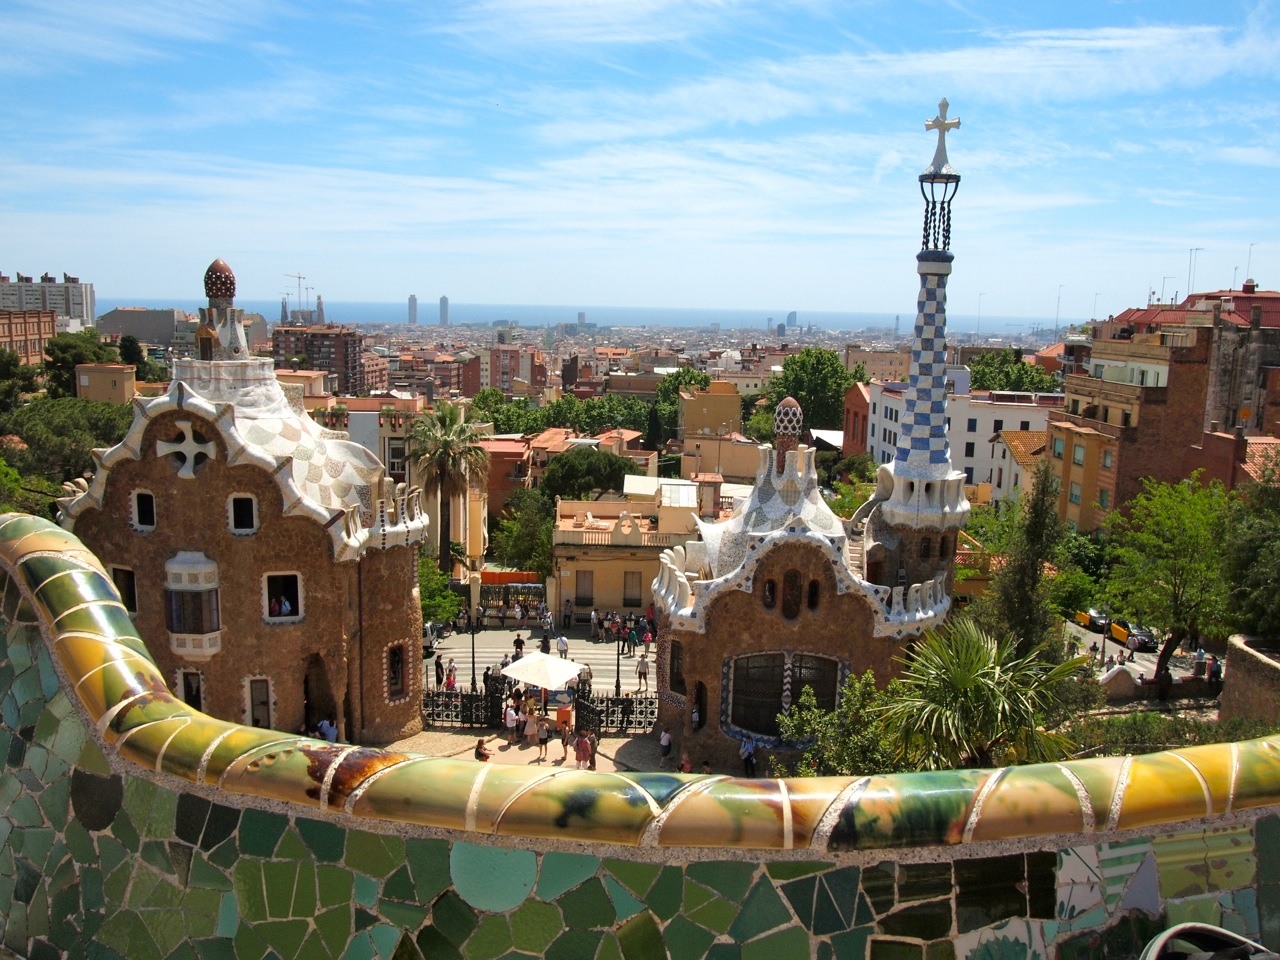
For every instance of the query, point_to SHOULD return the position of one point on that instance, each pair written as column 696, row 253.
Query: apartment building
column 332, row 348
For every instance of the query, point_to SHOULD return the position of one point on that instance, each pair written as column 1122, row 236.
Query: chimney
column 1250, row 286
column 1217, row 313
column 1214, row 426
column 1255, row 316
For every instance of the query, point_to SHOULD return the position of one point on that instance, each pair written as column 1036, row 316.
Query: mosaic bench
column 135, row 827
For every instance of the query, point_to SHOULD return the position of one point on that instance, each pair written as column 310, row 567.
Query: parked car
column 1092, row 619
column 1133, row 635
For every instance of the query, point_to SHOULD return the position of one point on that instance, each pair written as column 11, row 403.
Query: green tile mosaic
column 259, row 833
column 534, row 925
column 374, row 854
column 686, row 940
column 327, row 841
column 587, row 905
column 490, row 878
column 575, row 944
column 636, row 877
column 762, row 911
column 664, row 896
column 564, row 871
column 492, row 938
column 729, row 878
column 790, row 944
column 640, row 939
column 624, row 903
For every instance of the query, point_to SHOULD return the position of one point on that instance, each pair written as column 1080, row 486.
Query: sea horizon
column 368, row 312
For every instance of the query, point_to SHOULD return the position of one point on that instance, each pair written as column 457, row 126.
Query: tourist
column 544, row 737
column 439, row 670
column 595, row 625
column 585, row 676
column 327, row 731
column 664, row 741
column 1215, row 676
column 564, row 741
column 521, row 617
column 531, row 724
column 582, row 750
column 748, row 754
column 451, row 674
column 485, row 679
column 502, row 616
column 706, row 766
column 648, row 639
column 562, row 646
column 686, row 765
column 695, row 718
column 511, row 717
column 482, row 752
column 518, row 644
column 566, row 618
column 642, row 674
column 545, row 644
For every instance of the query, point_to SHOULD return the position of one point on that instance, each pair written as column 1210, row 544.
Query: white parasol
column 541, row 670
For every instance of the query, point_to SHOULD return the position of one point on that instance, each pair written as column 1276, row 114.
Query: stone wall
column 132, row 826
column 1251, row 680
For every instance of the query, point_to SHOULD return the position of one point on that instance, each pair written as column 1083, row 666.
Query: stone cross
column 940, row 123
column 188, row 448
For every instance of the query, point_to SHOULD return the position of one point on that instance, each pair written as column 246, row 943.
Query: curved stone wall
column 136, row 827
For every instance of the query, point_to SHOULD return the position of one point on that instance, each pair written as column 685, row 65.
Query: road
column 493, row 642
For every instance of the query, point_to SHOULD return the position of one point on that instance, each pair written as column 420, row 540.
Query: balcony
column 196, row 646
column 616, row 538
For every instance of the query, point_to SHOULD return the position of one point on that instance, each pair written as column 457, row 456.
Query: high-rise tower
column 444, row 311
column 413, row 309
column 928, row 493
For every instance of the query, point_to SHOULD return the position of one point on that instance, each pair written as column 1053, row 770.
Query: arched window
column 791, row 594
column 770, row 594
column 926, row 546
column 944, row 547
column 813, row 594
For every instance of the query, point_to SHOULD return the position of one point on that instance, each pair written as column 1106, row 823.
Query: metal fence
column 455, row 708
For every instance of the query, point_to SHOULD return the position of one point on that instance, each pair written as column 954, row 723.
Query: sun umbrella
column 542, row 670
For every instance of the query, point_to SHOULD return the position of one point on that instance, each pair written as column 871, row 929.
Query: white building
column 71, row 301
column 973, row 424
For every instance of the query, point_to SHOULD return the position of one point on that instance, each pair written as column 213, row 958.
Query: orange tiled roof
column 1025, row 446
column 1260, row 454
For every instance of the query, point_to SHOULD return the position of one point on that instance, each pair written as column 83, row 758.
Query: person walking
column 531, row 727
column 642, row 674
column 748, row 754
column 566, row 618
column 562, row 646
column 664, row 742
column 511, row 718
column 582, row 750
column 595, row 625
column 565, row 737
column 439, row 671
column 518, row 645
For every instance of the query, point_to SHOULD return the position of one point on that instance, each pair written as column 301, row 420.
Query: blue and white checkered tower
column 927, row 492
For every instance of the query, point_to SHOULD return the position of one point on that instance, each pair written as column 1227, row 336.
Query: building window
column 631, row 588
column 395, row 455
column 675, row 669
column 192, row 611
column 791, row 594
column 259, row 706
column 1074, row 492
column 144, row 510
column 819, row 674
column 999, row 425
column 968, row 475
column 1058, row 446
column 972, row 426
column 944, row 547
column 1077, row 454
column 282, row 599
column 757, row 692
column 1108, row 459
column 1125, row 418
column 968, row 449
column 397, row 685
column 191, row 689
column 584, row 589
column 242, row 513
column 814, row 590
column 926, row 548
column 127, row 587
column 1104, row 499
column 770, row 594
column 1106, row 414
column 1025, row 425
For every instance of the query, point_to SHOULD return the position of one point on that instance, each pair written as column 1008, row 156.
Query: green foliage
column 515, row 415
column 759, row 425
column 848, row 741
column 573, row 475
column 860, row 468
column 818, row 381
column 437, row 600
column 131, row 350
column 1018, row 588
column 669, row 387
column 859, row 373
column 10, row 488
column 849, row 497
column 1147, row 731
column 60, row 433
column 1168, row 560
column 446, row 451
column 967, row 699
column 1252, row 555
column 1005, row 370
column 64, row 351
column 15, row 380
column 522, row 539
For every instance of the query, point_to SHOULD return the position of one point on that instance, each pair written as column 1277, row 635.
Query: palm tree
column 966, row 699
column 445, row 448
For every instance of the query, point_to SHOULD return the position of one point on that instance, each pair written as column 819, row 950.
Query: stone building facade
column 269, row 563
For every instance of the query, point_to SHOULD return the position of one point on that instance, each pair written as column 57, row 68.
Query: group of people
column 522, row 616
column 632, row 630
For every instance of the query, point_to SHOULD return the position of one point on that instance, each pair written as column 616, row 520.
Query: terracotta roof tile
column 1025, row 446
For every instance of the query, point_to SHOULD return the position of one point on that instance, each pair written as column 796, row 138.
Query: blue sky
column 704, row 153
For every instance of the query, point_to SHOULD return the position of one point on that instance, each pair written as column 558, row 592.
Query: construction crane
column 308, row 289
column 299, row 277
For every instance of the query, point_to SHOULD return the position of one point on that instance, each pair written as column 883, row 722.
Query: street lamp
column 473, row 655
column 617, row 676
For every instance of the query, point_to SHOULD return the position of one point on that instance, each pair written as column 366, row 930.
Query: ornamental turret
column 928, row 493
column 220, row 335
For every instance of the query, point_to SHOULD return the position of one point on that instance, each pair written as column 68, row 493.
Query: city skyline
column 651, row 154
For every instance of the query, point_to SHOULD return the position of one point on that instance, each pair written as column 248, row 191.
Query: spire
column 319, row 310
column 788, row 422
column 284, row 310
column 221, row 334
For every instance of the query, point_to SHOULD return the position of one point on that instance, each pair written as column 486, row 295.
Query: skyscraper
column 413, row 309
column 444, row 311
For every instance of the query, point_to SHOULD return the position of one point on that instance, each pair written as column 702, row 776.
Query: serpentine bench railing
column 99, row 711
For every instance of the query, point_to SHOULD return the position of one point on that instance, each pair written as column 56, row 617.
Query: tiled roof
column 1025, row 446
column 1260, row 453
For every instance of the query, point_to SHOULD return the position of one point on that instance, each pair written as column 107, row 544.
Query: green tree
column 967, row 699
column 669, row 387
column 575, row 474
column 522, row 539
column 849, row 741
column 58, row 435
column 437, row 600
column 1006, row 370
column 16, row 379
column 1252, row 555
column 131, row 350
column 64, row 351
column 859, row 468
column 818, row 381
column 447, row 451
column 1167, row 560
column 1018, row 601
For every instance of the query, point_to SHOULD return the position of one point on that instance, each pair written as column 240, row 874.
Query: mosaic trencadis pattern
column 134, row 827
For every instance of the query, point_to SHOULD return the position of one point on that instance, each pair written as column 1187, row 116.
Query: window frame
column 231, row 514
column 129, row 595
column 297, row 597
column 135, row 510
